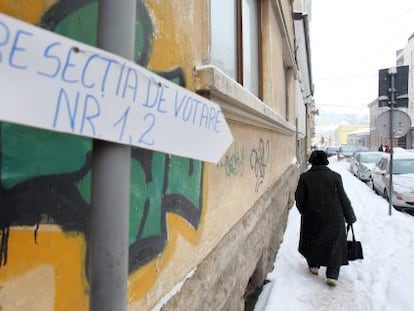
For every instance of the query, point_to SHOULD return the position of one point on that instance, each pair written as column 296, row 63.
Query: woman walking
column 324, row 208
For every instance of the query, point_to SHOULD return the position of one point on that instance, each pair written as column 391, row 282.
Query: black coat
column 324, row 207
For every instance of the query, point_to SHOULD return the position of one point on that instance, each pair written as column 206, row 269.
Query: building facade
column 405, row 57
column 343, row 130
column 201, row 235
column 359, row 138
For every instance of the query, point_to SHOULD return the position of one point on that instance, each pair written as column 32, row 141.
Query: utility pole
column 392, row 72
column 108, row 237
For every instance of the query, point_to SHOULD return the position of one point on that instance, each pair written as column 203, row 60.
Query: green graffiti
column 46, row 176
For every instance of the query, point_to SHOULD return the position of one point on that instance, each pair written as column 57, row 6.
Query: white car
column 363, row 162
column 403, row 179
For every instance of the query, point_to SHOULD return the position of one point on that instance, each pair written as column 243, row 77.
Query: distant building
column 341, row 133
column 405, row 56
column 375, row 139
column 359, row 138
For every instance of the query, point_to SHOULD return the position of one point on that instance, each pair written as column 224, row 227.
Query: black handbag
column 354, row 246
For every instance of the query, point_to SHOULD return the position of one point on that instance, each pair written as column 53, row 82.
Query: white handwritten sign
column 52, row 82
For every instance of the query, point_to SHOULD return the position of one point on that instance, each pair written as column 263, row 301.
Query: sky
column 350, row 41
column 383, row 280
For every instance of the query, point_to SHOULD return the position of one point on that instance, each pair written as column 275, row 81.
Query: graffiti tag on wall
column 258, row 161
column 232, row 164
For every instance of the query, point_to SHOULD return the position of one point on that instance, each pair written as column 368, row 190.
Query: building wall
column 341, row 133
column 271, row 48
column 406, row 57
column 189, row 221
column 359, row 139
column 407, row 54
column 374, row 112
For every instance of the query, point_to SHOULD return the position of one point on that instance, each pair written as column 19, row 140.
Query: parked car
column 362, row 163
column 403, row 179
column 346, row 152
column 331, row 151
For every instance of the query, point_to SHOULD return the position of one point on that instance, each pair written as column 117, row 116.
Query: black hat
column 318, row 157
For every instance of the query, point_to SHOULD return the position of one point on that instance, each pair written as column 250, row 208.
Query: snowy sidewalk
column 382, row 281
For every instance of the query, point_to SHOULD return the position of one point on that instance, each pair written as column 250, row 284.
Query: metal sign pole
column 392, row 72
column 108, row 241
column 392, row 82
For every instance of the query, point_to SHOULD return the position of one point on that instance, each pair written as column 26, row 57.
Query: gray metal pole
column 392, row 72
column 108, row 241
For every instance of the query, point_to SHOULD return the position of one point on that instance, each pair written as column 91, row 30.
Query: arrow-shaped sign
column 56, row 83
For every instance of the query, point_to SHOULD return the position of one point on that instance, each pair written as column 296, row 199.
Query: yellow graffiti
column 24, row 256
column 170, row 47
column 38, row 297
column 28, row 11
column 142, row 280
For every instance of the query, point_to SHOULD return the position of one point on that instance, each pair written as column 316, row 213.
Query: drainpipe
column 108, row 237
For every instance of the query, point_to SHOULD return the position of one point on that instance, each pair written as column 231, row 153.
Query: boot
column 331, row 282
column 314, row 270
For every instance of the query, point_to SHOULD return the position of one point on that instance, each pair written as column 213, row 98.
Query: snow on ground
column 383, row 280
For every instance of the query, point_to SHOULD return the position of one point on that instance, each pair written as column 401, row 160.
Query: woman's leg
column 332, row 274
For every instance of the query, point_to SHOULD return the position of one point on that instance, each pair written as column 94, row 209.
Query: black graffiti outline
column 53, row 195
column 258, row 161
column 144, row 250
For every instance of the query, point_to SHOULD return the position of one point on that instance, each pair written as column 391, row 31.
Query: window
column 250, row 39
column 224, row 36
column 404, row 166
column 235, row 41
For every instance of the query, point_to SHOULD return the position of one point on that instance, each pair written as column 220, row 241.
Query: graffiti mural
column 258, row 162
column 46, row 176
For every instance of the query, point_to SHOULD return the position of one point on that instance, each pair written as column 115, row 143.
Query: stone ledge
column 238, row 103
